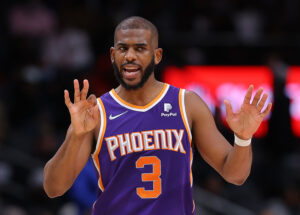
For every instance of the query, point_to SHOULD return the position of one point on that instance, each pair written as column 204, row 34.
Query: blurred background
column 45, row 44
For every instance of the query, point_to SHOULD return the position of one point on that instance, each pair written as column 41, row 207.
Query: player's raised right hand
column 84, row 112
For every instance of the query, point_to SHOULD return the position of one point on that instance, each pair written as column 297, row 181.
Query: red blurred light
column 216, row 83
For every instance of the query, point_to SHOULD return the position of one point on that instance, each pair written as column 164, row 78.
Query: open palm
column 84, row 112
column 247, row 120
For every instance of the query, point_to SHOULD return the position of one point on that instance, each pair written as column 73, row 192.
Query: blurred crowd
column 45, row 44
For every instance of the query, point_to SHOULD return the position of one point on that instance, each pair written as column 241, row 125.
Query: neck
column 143, row 95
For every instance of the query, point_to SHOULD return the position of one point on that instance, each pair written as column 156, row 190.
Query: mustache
column 125, row 64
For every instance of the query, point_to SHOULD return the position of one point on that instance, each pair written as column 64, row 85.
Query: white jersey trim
column 184, row 113
column 97, row 150
column 101, row 127
column 140, row 109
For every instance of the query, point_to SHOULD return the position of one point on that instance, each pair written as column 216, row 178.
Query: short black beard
column 146, row 74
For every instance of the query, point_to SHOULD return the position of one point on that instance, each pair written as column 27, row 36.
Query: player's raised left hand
column 247, row 120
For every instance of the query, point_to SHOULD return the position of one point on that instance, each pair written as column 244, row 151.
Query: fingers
column 267, row 111
column 248, row 95
column 92, row 99
column 262, row 102
column 76, row 91
column 228, row 106
column 67, row 99
column 257, row 96
column 97, row 112
column 259, row 100
column 94, row 110
column 84, row 90
column 80, row 95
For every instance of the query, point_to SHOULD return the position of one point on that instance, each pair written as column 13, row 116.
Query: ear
column 158, row 55
column 112, row 54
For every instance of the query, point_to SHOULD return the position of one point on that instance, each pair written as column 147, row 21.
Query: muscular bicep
column 210, row 143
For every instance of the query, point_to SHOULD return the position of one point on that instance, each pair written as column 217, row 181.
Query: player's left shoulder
column 195, row 105
column 193, row 99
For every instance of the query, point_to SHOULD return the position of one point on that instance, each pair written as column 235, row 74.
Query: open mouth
column 130, row 72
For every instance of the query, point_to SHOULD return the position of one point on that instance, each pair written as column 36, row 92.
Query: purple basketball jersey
column 143, row 156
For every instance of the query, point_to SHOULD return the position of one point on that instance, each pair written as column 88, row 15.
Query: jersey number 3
column 154, row 176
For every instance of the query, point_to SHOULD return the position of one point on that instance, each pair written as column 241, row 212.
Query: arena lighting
column 216, row 83
column 292, row 90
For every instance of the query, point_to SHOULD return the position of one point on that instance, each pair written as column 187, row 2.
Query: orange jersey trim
column 99, row 144
column 183, row 116
column 137, row 106
column 184, row 119
column 191, row 162
column 193, row 206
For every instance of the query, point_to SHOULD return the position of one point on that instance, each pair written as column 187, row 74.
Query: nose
column 130, row 55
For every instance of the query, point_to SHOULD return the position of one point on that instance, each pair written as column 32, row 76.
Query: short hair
column 136, row 22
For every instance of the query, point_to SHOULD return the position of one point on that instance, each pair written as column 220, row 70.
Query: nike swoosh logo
column 111, row 117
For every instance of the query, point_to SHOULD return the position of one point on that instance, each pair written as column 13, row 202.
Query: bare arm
column 61, row 171
column 63, row 168
column 233, row 163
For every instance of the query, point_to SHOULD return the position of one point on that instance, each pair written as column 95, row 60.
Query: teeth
column 131, row 70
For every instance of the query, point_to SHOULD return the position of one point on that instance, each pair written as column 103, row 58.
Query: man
column 144, row 130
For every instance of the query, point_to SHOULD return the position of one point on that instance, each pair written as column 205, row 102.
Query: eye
column 122, row 48
column 140, row 49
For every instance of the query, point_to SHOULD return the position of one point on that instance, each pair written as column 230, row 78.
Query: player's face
column 134, row 57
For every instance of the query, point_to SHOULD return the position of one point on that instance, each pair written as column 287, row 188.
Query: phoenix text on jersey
column 144, row 141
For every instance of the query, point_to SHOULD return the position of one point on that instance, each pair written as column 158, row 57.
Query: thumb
column 228, row 107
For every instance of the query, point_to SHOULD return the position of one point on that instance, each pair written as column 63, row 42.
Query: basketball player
column 145, row 132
